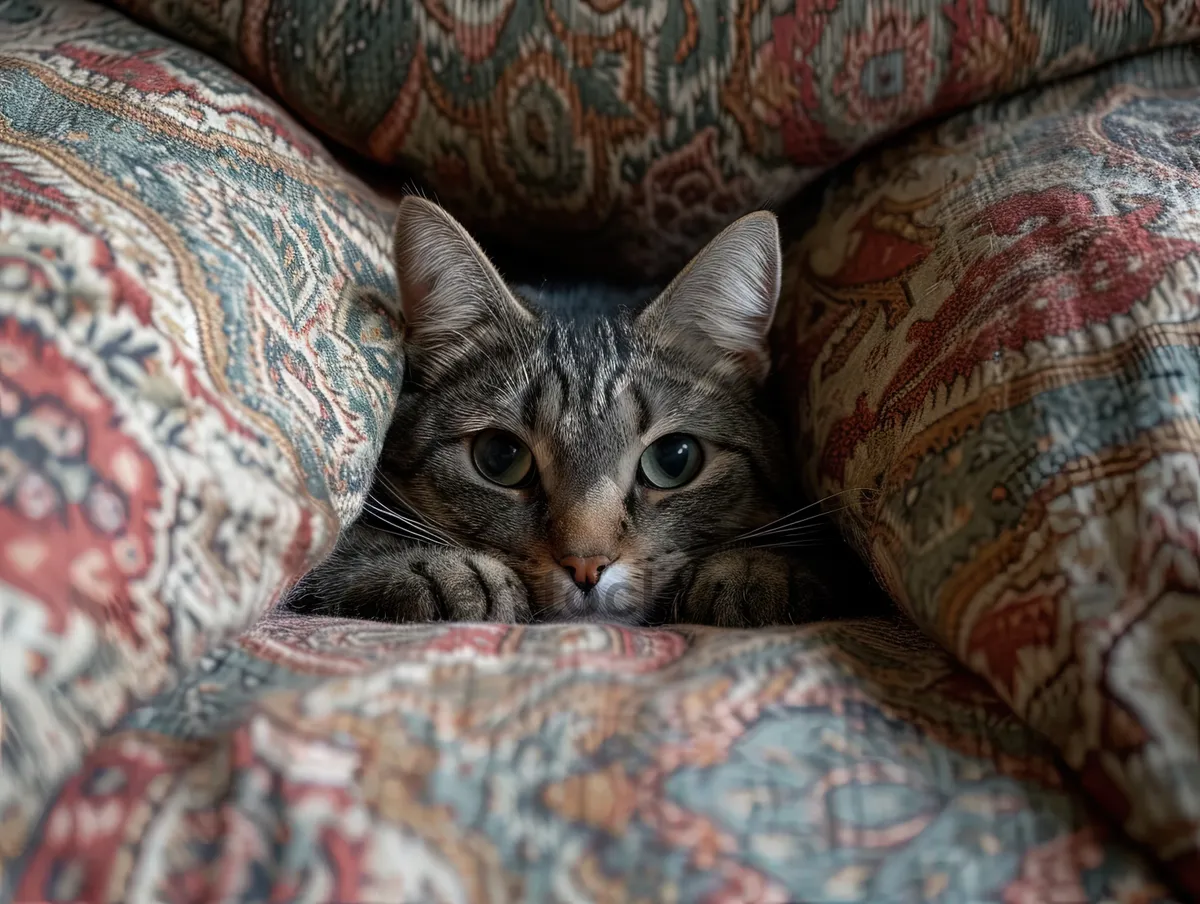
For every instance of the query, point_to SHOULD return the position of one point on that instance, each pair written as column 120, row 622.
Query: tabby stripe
column 529, row 401
column 631, row 499
column 643, row 407
column 608, row 395
column 564, row 389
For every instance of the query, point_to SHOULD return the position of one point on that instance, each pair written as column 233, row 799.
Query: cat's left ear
column 720, row 307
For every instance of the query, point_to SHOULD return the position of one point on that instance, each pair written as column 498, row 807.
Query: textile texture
column 196, row 366
column 997, row 324
column 325, row 760
column 196, row 369
column 646, row 125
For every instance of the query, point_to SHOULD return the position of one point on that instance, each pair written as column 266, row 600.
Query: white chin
column 614, row 599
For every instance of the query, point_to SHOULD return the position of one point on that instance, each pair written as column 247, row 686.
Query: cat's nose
column 585, row 571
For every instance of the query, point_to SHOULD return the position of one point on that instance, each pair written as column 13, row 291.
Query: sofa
column 989, row 337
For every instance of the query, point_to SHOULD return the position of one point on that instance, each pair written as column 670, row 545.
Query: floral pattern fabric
column 646, row 126
column 196, row 369
column 996, row 326
column 317, row 759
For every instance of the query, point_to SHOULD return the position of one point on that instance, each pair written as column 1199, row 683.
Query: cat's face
column 597, row 459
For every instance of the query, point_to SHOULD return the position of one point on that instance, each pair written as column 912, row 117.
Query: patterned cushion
column 329, row 760
column 998, row 326
column 648, row 125
column 196, row 365
column 195, row 371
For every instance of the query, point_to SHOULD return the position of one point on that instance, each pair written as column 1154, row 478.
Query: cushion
column 317, row 759
column 995, row 325
column 647, row 127
column 196, row 370
column 196, row 365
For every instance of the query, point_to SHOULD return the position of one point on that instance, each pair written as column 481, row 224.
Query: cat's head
column 600, row 458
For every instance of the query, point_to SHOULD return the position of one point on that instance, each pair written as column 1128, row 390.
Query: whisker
column 384, row 530
column 788, row 544
column 400, row 531
column 790, row 526
column 792, row 514
column 399, row 517
column 811, row 524
column 404, row 528
column 419, row 518
column 803, row 524
column 805, row 508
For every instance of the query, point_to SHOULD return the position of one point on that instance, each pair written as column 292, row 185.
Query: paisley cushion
column 645, row 125
column 319, row 759
column 995, row 326
column 196, row 368
column 196, row 365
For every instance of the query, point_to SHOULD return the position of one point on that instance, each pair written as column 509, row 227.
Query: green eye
column 672, row 461
column 502, row 458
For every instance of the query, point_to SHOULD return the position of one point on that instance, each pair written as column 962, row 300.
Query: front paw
column 370, row 575
column 740, row 588
column 457, row 585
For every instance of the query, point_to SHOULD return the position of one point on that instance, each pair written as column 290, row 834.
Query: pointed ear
column 720, row 307
column 448, row 287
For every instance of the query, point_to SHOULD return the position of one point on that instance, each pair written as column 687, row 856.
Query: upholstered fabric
column 196, row 368
column 326, row 760
column 647, row 125
column 995, row 325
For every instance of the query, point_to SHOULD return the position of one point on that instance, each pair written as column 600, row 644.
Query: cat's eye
column 502, row 458
column 671, row 462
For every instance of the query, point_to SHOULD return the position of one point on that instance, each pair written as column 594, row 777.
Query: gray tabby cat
column 604, row 466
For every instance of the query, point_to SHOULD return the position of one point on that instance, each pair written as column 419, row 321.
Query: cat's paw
column 740, row 588
column 437, row 584
column 371, row 575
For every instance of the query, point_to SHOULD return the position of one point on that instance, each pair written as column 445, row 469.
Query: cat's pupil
column 499, row 454
column 673, row 454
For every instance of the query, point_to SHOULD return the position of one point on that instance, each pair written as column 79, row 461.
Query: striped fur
column 587, row 391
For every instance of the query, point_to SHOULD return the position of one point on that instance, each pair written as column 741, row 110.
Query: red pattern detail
column 37, row 201
column 137, row 70
column 73, row 563
column 874, row 95
column 25, row 197
column 1002, row 635
column 90, row 824
column 980, row 55
column 475, row 37
column 1069, row 267
column 794, row 38
column 140, row 71
column 485, row 640
column 879, row 255
column 844, row 437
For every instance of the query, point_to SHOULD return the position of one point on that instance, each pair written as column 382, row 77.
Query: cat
column 586, row 465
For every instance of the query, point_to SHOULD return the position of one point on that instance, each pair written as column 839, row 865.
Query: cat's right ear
column 448, row 287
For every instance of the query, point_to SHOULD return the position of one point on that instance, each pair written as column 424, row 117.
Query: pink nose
column 585, row 571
